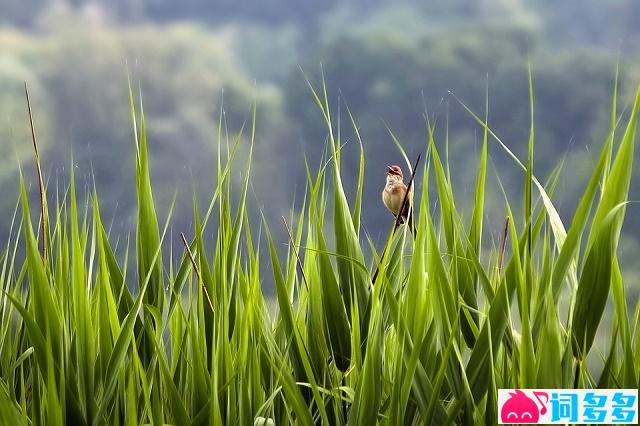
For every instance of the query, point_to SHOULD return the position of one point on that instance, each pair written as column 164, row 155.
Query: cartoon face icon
column 519, row 408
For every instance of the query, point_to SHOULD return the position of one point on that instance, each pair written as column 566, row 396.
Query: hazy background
column 390, row 61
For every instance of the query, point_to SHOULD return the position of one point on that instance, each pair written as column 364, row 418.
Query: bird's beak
column 390, row 170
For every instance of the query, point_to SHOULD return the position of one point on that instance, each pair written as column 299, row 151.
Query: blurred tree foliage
column 582, row 21
column 398, row 78
column 80, row 77
column 391, row 61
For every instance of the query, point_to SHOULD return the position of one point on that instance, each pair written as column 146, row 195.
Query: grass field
column 423, row 333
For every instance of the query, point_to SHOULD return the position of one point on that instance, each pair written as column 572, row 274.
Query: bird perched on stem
column 394, row 193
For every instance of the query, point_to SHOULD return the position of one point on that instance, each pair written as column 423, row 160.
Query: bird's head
column 394, row 171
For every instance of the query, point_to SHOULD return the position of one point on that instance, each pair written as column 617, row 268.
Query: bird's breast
column 392, row 197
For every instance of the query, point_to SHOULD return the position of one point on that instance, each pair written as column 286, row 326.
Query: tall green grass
column 445, row 323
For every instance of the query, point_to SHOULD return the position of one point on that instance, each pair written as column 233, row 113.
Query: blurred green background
column 389, row 61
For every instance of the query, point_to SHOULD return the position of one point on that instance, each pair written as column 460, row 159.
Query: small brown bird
column 393, row 194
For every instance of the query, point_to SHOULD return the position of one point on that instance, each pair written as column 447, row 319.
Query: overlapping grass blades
column 192, row 340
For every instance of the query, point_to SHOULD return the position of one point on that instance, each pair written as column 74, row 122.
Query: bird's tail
column 407, row 218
